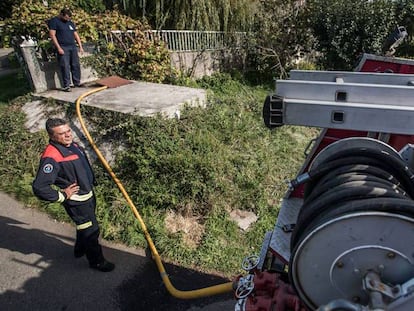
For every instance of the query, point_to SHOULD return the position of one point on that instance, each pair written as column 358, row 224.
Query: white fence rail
column 190, row 41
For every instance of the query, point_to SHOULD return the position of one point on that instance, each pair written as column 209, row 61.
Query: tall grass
column 195, row 170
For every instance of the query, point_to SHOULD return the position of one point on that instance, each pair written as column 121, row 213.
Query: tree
column 405, row 12
column 346, row 29
column 280, row 36
column 215, row 15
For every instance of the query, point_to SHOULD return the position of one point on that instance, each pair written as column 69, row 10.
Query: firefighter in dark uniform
column 65, row 176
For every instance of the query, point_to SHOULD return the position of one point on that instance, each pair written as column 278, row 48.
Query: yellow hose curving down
column 192, row 294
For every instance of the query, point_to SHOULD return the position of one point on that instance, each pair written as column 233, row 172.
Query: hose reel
column 357, row 218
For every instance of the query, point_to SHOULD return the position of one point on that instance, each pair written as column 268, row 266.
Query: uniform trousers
column 87, row 230
column 69, row 65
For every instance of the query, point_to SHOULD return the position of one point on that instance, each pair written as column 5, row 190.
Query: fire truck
column 344, row 236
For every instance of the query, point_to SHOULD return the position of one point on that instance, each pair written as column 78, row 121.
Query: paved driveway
column 39, row 272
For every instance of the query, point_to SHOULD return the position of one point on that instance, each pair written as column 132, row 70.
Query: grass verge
column 185, row 176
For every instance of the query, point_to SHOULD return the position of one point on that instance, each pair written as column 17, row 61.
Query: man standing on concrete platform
column 64, row 36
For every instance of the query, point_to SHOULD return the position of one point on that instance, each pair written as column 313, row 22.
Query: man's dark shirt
column 64, row 31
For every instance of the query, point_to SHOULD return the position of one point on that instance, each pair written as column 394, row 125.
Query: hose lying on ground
column 192, row 294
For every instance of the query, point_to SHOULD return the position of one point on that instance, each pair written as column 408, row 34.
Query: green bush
column 30, row 19
column 346, row 29
column 20, row 152
column 133, row 56
column 12, row 86
column 281, row 34
column 324, row 34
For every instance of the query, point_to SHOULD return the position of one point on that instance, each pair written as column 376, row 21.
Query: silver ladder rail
column 352, row 77
column 344, row 100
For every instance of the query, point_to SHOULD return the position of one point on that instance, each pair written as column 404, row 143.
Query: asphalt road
column 38, row 272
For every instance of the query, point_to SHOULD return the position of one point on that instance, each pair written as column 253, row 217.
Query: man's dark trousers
column 86, row 238
column 69, row 64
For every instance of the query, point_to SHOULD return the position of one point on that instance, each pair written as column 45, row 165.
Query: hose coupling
column 301, row 179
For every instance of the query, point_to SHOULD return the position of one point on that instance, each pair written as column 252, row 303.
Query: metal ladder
column 377, row 102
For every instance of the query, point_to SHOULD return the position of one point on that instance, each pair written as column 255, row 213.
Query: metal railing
column 188, row 41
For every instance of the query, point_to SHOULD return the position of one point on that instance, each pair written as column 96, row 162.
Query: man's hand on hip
column 71, row 190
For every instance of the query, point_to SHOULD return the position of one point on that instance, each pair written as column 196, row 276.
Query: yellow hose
column 192, row 294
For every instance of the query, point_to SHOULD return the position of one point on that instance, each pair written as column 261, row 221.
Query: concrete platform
column 138, row 98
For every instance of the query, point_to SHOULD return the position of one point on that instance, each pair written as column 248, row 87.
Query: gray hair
column 54, row 122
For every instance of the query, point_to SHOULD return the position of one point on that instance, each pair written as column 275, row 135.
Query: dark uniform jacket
column 62, row 166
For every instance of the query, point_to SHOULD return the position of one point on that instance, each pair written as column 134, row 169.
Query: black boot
column 79, row 249
column 104, row 266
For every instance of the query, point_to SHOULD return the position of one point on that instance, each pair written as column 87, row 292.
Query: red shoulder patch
column 53, row 153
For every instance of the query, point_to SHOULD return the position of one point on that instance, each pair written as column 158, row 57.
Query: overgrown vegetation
column 12, row 88
column 346, row 29
column 281, row 39
column 214, row 15
column 282, row 34
column 133, row 57
column 198, row 169
column 324, row 34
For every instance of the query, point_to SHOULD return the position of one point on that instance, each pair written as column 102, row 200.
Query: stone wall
column 44, row 75
column 205, row 63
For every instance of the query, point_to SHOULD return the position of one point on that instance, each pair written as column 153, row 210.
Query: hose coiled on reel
column 355, row 179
